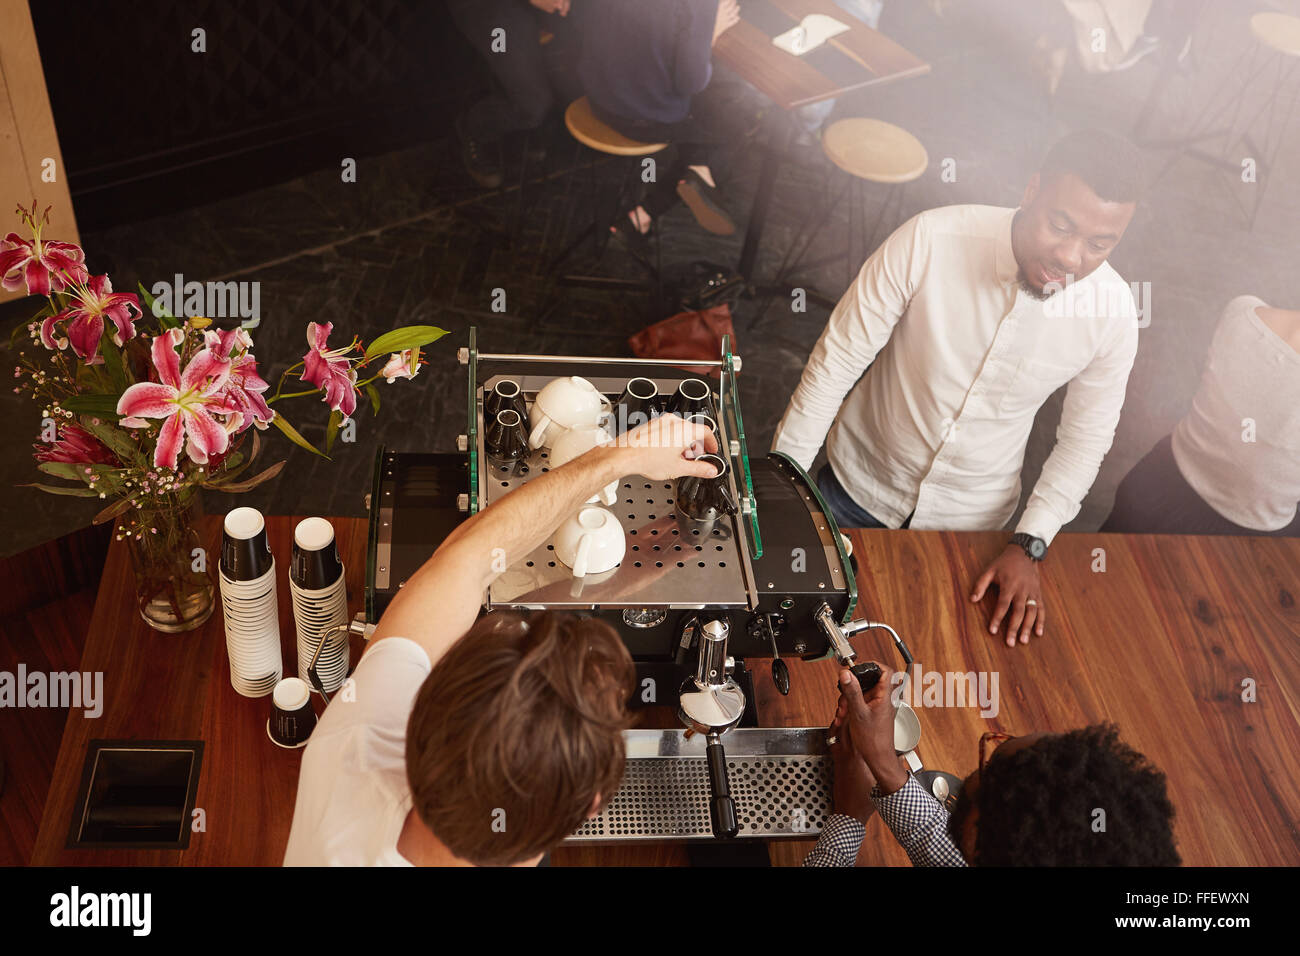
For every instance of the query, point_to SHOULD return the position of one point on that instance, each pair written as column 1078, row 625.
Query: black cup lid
column 315, row 562
column 245, row 552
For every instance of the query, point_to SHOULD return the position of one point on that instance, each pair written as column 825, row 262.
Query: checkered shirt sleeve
column 838, row 843
column 920, row 824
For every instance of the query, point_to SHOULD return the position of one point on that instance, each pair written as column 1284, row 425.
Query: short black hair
column 1110, row 163
column 1038, row 806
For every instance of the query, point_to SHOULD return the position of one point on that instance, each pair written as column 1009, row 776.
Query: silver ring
column 1031, row 603
column 832, row 741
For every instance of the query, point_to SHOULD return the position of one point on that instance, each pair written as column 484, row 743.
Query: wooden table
column 1159, row 642
column 858, row 58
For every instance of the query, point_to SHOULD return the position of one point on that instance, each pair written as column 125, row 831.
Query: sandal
column 701, row 199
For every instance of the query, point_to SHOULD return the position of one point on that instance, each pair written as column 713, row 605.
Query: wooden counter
column 1159, row 642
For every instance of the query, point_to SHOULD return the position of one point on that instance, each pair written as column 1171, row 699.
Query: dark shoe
column 701, row 199
column 482, row 160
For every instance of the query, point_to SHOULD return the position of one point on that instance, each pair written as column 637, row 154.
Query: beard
column 1042, row 295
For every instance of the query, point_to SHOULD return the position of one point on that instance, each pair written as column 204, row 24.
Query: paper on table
column 814, row 30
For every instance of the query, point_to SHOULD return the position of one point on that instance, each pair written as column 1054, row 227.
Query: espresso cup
column 292, row 716
column 907, row 735
column 578, row 441
column 639, row 403
column 591, row 542
column 565, row 403
column 506, row 436
column 245, row 552
column 693, row 395
column 505, row 394
column 705, row 499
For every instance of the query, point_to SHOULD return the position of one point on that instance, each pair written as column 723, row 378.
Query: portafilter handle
column 722, row 807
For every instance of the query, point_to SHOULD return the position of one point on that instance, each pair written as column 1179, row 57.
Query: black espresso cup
column 699, row 418
column 314, row 563
column 693, row 395
column 704, row 499
column 505, row 394
column 245, row 552
column 292, row 716
column 639, row 403
column 506, row 436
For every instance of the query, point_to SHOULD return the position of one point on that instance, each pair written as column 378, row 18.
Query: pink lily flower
column 76, row 446
column 85, row 319
column 45, row 266
column 404, row 364
column 186, row 400
column 328, row 369
column 242, row 393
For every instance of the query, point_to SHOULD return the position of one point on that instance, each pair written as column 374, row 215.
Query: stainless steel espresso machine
column 691, row 600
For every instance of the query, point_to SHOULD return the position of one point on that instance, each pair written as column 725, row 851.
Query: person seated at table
column 1232, row 464
column 464, row 742
column 646, row 66
column 965, row 320
column 1034, row 801
column 525, row 77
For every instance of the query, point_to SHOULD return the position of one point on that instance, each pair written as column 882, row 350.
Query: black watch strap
column 1035, row 548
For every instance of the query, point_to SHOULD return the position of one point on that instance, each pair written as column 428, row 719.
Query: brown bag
column 687, row 335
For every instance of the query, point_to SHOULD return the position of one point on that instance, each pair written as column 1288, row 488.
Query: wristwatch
column 1035, row 548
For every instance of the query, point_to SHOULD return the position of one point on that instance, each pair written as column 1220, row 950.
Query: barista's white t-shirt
column 352, row 792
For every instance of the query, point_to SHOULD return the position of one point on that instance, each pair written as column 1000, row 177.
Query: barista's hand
column 853, row 779
column 1020, row 594
column 872, row 725
column 657, row 449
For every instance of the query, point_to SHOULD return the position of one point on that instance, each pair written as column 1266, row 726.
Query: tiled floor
column 411, row 241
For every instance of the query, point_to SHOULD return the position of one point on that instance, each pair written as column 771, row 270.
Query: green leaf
column 62, row 469
column 112, row 356
column 118, row 441
column 251, row 483
column 98, row 405
column 165, row 319
column 407, row 337
column 63, row 490
column 332, row 430
column 112, row 511
column 373, row 394
column 292, row 434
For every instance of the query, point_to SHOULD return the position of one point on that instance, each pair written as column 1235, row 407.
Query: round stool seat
column 874, row 150
column 1281, row 31
column 586, row 129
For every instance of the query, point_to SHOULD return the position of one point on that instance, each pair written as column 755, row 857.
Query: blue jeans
column 846, row 512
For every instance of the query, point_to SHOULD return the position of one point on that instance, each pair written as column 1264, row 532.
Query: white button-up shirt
column 958, row 360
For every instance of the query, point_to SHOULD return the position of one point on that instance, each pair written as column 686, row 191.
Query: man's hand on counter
column 1020, row 595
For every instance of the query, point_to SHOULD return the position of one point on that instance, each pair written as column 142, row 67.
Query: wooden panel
column 788, row 80
column 27, row 132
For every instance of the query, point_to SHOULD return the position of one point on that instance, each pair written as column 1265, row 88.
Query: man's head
column 1075, row 209
column 1035, row 803
column 516, row 734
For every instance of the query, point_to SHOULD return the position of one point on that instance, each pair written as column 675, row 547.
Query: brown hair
column 515, row 733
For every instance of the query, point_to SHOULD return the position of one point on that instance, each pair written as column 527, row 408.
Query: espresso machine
column 768, row 577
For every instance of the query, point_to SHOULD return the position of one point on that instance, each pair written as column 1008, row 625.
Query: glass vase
column 173, row 587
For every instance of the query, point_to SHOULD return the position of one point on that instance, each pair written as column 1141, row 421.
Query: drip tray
column 780, row 779
column 136, row 794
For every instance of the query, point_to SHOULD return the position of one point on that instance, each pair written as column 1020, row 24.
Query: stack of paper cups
column 248, row 600
column 320, row 602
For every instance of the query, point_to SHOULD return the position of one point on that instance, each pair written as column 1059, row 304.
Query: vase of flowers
column 144, row 409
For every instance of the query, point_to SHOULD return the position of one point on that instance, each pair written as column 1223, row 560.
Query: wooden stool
column 868, row 151
column 596, row 135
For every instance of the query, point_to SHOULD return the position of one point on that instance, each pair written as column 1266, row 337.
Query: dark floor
column 413, row 242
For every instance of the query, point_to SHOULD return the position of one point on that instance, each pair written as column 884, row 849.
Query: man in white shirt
column 463, row 743
column 964, row 321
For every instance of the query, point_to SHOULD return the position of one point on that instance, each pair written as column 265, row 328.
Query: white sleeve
column 1093, row 402
column 379, row 695
column 859, row 327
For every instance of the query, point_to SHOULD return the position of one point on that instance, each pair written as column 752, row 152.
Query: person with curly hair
column 1080, row 798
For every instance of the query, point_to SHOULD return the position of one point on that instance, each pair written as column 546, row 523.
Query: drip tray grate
column 665, row 794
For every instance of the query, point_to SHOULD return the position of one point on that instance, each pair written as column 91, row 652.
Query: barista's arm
column 441, row 600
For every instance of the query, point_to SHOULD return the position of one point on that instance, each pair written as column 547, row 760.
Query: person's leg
column 846, row 512
column 1155, row 498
